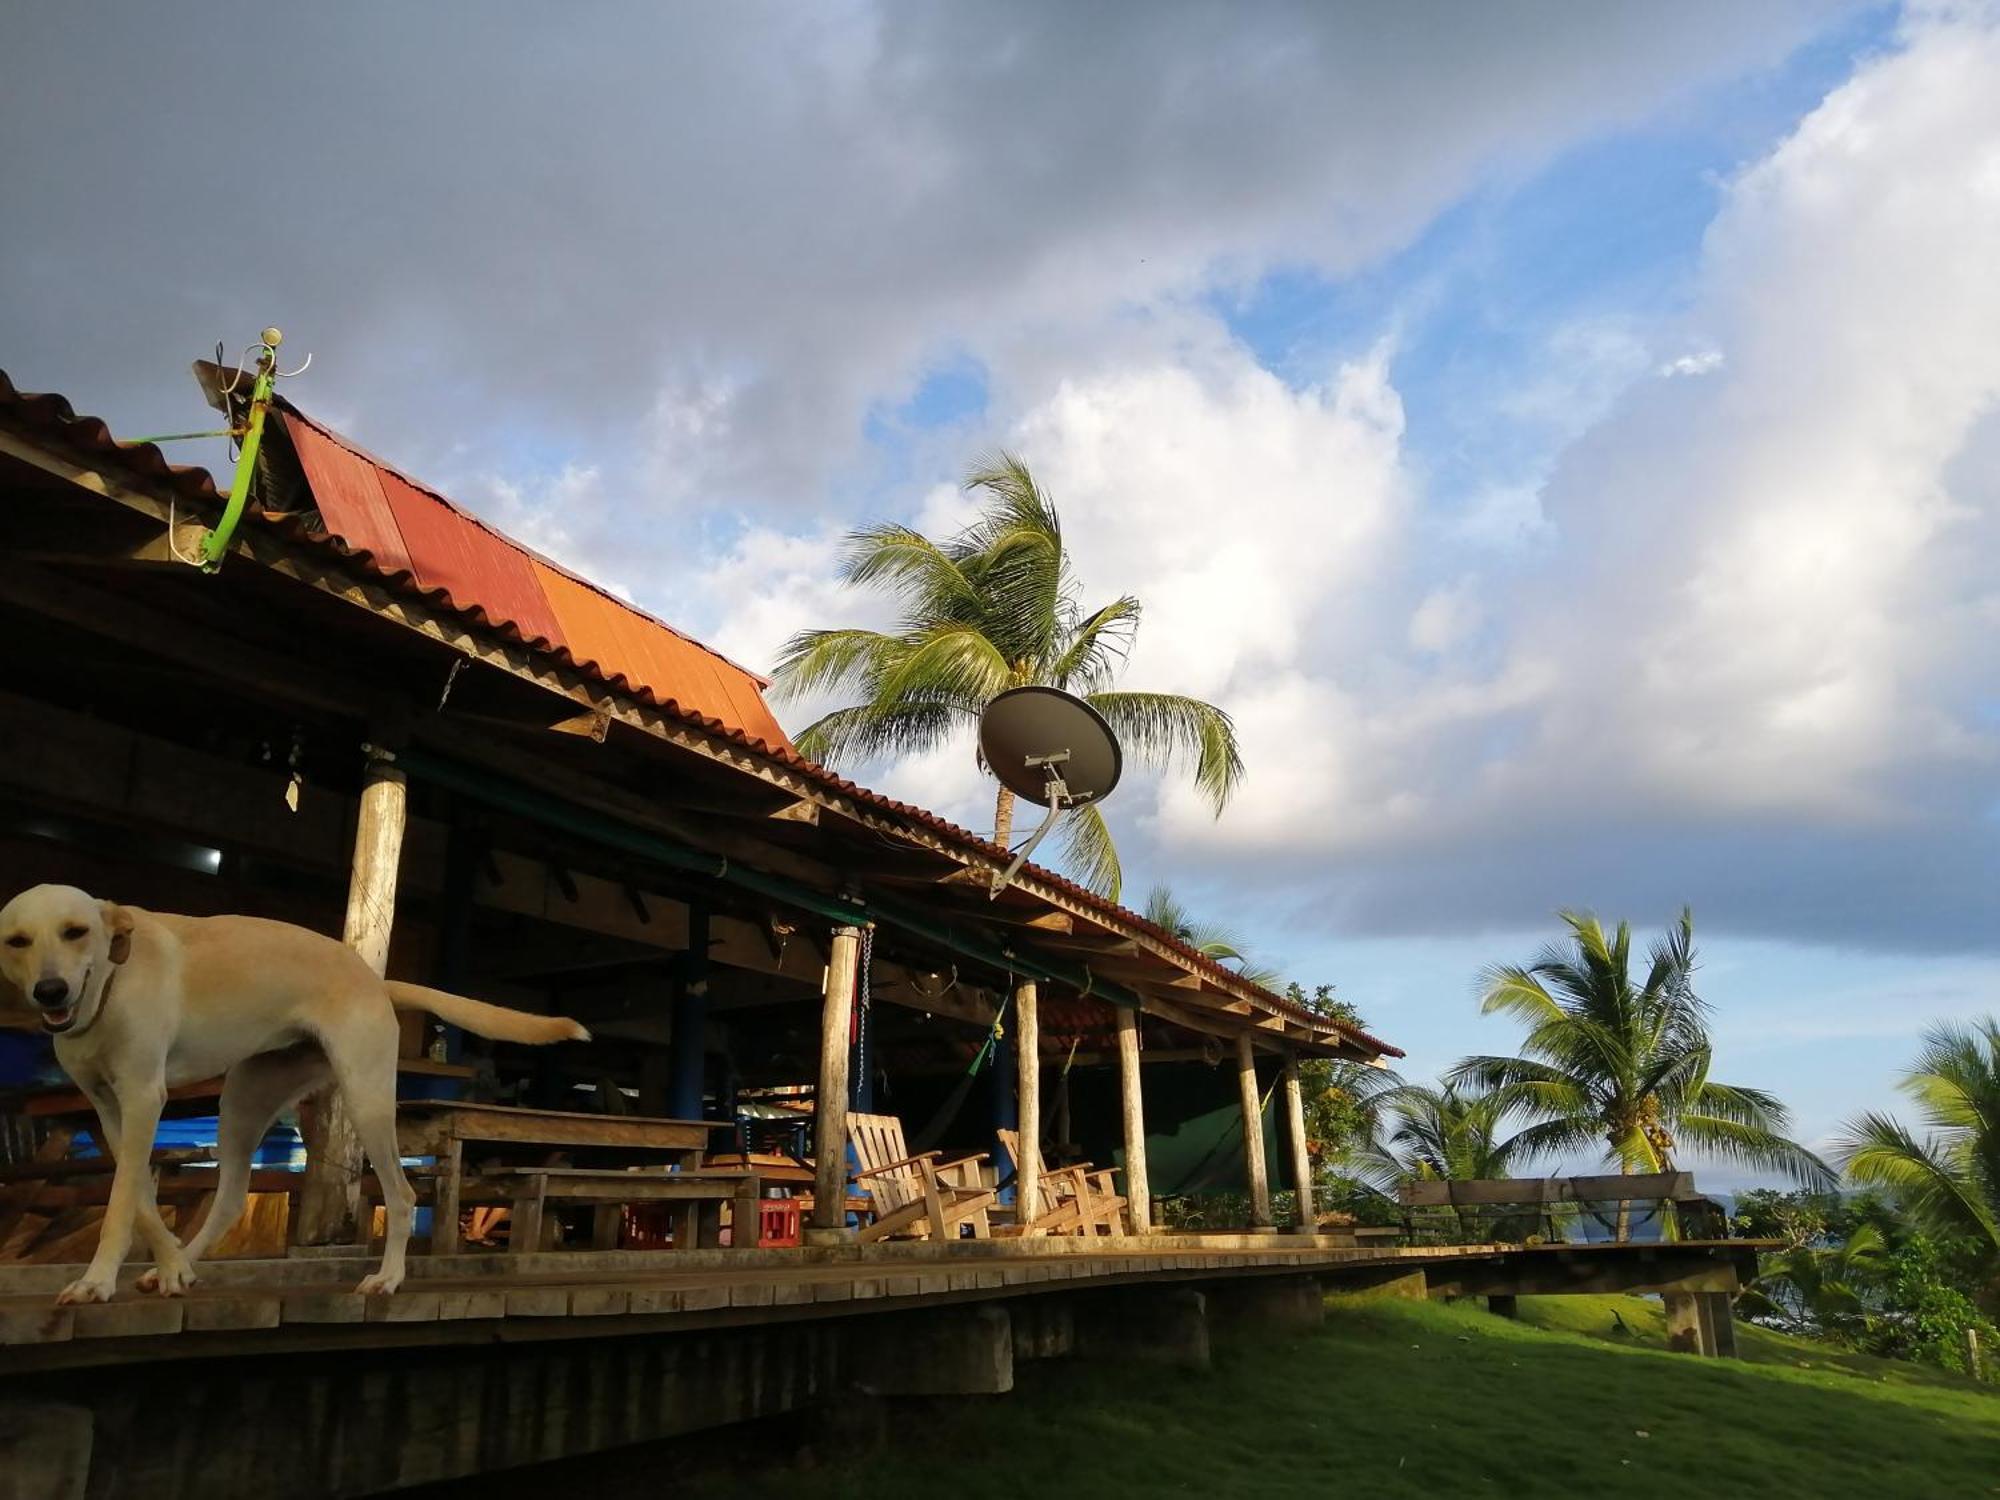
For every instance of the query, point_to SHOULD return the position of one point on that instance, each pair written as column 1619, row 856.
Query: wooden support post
column 1295, row 1127
column 689, row 1046
column 830, row 1102
column 1028, row 1060
column 1253, row 1133
column 330, row 1196
column 1138, row 1193
column 1718, row 1324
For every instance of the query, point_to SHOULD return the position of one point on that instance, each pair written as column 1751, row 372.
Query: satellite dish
column 1050, row 748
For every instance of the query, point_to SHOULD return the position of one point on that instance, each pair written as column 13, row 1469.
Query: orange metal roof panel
column 621, row 641
column 348, row 490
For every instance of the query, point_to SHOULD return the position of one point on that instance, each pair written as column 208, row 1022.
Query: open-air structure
column 379, row 717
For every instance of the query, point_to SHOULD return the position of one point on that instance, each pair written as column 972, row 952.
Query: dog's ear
column 118, row 922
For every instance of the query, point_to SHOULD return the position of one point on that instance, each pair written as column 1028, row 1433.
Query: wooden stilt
column 330, row 1196
column 830, row 1104
column 1131, row 1097
column 1028, row 1062
column 1253, row 1133
column 1295, row 1129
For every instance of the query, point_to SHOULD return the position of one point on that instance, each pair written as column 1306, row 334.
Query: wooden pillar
column 1295, row 1129
column 1028, row 1098
column 1138, row 1192
column 1253, row 1133
column 830, row 1101
column 330, row 1196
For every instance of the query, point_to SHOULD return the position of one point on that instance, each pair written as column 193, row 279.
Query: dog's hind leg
column 252, row 1095
column 363, row 1053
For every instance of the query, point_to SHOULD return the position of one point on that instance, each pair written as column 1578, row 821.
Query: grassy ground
column 1422, row 1399
column 1389, row 1398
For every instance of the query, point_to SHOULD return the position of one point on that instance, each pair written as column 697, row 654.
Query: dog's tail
column 496, row 1021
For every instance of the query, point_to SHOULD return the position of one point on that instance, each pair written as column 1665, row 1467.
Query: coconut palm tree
column 1950, row 1178
column 1822, row 1288
column 1432, row 1134
column 1164, row 910
column 1607, row 1063
column 1444, row 1134
column 994, row 608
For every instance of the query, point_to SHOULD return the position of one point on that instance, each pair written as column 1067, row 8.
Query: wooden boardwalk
column 281, row 1306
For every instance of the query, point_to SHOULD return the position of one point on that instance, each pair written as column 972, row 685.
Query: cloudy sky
column 1563, row 436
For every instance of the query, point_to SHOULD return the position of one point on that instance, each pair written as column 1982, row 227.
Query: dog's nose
column 51, row 991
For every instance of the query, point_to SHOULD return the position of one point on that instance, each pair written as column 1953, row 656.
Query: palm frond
column 1171, row 731
column 1751, row 1146
column 824, row 660
column 1088, row 852
column 853, row 734
column 1090, row 658
column 1878, row 1151
column 953, row 664
column 910, row 565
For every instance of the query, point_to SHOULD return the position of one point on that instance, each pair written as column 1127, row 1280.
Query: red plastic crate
column 777, row 1223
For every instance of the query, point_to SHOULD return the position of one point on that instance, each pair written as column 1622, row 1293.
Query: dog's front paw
column 86, row 1289
column 168, row 1280
column 381, row 1284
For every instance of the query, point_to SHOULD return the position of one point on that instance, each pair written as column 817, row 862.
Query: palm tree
column 1607, row 1063
column 1444, row 1134
column 1949, row 1179
column 1426, row 1134
column 994, row 608
column 1819, row 1288
column 1164, row 910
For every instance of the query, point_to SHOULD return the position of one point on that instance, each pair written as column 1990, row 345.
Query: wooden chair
column 1079, row 1199
column 915, row 1195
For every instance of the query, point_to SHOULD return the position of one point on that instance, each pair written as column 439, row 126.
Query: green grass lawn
column 1411, row 1398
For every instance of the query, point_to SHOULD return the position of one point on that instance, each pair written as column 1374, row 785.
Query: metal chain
column 861, row 1003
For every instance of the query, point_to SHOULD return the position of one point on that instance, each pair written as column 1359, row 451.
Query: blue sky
column 1563, row 439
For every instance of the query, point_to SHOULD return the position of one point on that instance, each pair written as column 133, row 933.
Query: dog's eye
column 18, row 940
column 75, row 934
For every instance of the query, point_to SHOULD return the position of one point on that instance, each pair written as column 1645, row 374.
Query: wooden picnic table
column 527, row 1191
column 443, row 1128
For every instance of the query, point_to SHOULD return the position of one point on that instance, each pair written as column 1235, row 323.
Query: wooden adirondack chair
column 1079, row 1199
column 915, row 1195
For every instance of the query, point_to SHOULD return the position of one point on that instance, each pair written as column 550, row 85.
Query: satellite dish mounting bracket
column 1059, row 800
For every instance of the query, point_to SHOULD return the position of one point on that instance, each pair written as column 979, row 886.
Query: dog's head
column 58, row 946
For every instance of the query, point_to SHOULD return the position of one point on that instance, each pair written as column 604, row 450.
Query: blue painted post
column 689, row 1050
column 1000, row 1079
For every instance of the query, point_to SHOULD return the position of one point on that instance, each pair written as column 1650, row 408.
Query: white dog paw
column 381, row 1284
column 168, row 1281
column 86, row 1289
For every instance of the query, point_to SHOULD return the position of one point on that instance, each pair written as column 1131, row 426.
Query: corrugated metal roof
column 375, row 508
column 90, row 436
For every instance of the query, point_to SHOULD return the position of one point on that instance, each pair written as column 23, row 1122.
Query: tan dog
column 139, row 1002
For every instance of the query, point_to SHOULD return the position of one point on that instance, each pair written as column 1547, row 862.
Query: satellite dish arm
column 1060, row 802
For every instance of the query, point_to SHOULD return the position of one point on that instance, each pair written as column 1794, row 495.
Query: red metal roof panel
column 451, row 551
column 348, row 491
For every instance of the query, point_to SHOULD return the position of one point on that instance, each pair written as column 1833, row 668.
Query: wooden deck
column 305, row 1303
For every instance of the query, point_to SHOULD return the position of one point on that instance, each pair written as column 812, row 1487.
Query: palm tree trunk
column 1003, row 818
column 1625, row 1210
